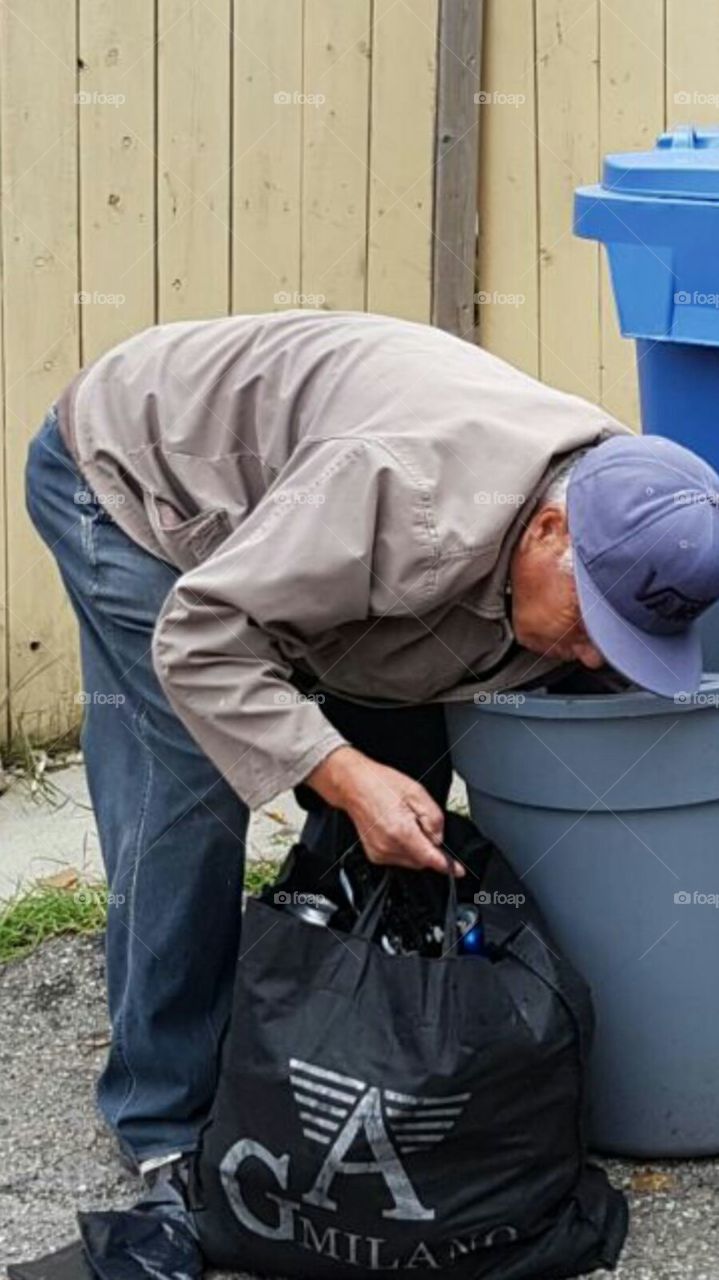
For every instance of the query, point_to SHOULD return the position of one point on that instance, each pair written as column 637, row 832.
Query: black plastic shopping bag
column 384, row 1112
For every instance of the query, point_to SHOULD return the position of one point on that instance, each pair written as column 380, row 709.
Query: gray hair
column 554, row 494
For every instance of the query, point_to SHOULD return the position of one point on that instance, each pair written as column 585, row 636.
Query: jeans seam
column 88, row 546
column 139, row 716
column 90, row 532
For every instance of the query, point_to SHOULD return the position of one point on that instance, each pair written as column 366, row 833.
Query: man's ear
column 548, row 527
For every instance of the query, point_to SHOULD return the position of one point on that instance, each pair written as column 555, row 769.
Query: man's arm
column 303, row 562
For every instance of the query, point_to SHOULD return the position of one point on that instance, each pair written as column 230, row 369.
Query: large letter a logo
column 367, row 1118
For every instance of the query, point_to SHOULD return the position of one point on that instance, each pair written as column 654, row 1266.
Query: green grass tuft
column 45, row 911
column 259, row 873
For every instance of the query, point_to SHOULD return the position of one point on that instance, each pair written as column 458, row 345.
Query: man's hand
column 398, row 822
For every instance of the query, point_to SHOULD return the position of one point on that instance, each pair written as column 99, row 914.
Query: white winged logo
column 327, row 1100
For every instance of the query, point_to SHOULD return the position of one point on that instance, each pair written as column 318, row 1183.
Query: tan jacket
column 341, row 493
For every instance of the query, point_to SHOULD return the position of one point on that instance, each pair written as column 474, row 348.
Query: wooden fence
column 566, row 82
column 164, row 159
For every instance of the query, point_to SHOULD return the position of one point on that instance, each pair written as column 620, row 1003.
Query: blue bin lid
column 684, row 163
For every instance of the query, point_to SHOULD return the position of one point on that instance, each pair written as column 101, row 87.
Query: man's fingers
column 439, row 862
column 431, row 821
column 428, row 814
column 423, row 855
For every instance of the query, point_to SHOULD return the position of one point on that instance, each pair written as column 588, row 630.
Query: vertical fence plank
column 692, row 62
column 38, row 48
column 267, row 154
column 631, row 116
column 455, row 248
column 568, row 130
column 399, row 269
column 117, row 164
column 194, row 134
column 335, row 179
column 4, row 610
column 508, row 232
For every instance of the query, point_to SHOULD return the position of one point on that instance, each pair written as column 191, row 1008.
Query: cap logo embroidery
column 671, row 604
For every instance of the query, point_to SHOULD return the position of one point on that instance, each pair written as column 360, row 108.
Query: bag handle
column 366, row 925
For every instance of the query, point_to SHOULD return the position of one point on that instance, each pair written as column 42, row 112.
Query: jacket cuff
column 287, row 778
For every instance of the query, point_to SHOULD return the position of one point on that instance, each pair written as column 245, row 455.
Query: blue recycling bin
column 657, row 212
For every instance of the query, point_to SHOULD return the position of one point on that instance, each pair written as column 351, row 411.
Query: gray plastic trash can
column 608, row 807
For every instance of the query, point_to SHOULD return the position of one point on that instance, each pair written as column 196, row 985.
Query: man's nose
column 589, row 656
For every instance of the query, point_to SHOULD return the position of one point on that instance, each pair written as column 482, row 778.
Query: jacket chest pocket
column 186, row 542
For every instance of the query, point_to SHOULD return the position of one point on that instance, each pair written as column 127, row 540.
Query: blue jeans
column 172, row 831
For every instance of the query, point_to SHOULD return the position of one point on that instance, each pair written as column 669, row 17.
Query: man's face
column 545, row 608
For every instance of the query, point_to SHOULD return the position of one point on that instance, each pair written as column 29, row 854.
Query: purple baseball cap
column 643, row 516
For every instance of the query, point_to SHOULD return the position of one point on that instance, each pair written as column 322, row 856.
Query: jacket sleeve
column 336, row 538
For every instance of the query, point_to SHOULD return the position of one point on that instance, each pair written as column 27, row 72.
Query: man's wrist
column 331, row 777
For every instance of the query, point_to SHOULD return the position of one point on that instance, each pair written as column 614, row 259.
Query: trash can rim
column 602, row 706
column 600, row 192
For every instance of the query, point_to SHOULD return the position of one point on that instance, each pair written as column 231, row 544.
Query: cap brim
column 666, row 665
